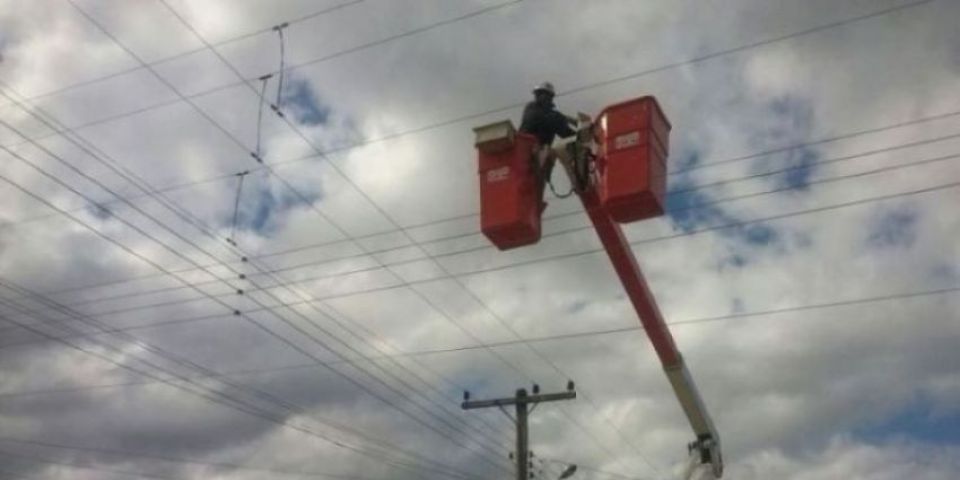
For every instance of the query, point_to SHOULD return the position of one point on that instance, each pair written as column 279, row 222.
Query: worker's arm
column 562, row 124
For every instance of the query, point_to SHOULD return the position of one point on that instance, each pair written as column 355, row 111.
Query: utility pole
column 521, row 401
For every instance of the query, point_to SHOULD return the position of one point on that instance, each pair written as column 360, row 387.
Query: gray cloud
column 788, row 391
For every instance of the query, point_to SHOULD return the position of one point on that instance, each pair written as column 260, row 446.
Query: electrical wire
column 440, row 266
column 341, row 53
column 403, row 395
column 94, row 22
column 693, row 207
column 635, row 243
column 585, row 87
column 47, row 461
column 227, row 400
column 213, row 398
column 178, row 460
column 508, row 343
column 175, row 252
column 556, row 216
column 186, row 53
column 94, row 154
column 393, row 222
column 440, row 406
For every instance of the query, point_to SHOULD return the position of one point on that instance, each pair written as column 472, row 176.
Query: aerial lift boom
column 707, row 443
column 617, row 166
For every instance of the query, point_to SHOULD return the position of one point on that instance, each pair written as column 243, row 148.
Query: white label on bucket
column 498, row 174
column 626, row 140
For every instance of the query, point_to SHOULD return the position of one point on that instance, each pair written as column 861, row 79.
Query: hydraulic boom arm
column 707, row 443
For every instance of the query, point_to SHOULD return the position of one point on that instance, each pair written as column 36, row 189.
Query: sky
column 205, row 274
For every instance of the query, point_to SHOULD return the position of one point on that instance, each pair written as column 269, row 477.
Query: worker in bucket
column 542, row 120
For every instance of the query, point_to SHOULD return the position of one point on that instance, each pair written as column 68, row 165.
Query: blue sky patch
column 790, row 122
column 99, row 211
column 916, row 421
column 690, row 210
column 759, row 234
column 263, row 204
column 801, row 163
column 683, row 201
column 946, row 274
column 894, row 229
column 736, row 260
column 578, row 306
column 302, row 101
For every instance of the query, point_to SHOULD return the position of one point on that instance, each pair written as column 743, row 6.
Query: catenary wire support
column 258, row 153
column 232, row 240
column 278, row 105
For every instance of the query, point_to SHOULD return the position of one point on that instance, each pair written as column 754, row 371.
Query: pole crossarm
column 503, row 402
column 521, row 402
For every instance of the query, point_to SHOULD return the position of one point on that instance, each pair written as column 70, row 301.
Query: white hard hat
column 545, row 87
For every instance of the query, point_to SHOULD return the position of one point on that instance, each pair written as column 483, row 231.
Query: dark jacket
column 545, row 123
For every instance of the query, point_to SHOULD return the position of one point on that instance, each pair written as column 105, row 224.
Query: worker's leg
column 550, row 160
column 545, row 162
column 563, row 154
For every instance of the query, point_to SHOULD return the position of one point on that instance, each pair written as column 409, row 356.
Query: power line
column 300, row 330
column 186, row 53
column 227, row 400
column 172, row 459
column 524, row 263
column 396, row 378
column 587, row 86
column 694, row 207
column 395, row 224
column 556, row 216
column 246, row 411
column 541, row 339
column 385, row 215
column 714, row 228
column 201, row 394
column 309, row 142
column 47, row 461
column 781, row 149
column 417, row 392
column 222, row 129
column 341, row 53
column 175, row 252
column 635, row 243
column 326, row 57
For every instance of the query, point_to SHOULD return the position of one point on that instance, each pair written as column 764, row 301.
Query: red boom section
column 618, row 249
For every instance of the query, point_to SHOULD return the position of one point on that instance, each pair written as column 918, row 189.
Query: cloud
column 893, row 229
column 860, row 390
